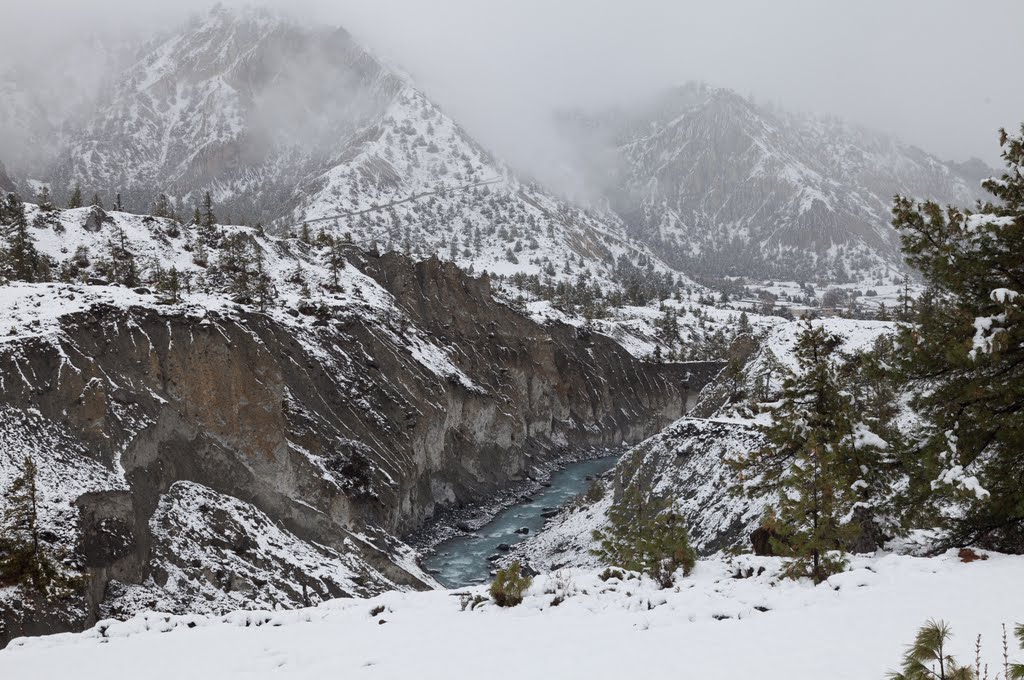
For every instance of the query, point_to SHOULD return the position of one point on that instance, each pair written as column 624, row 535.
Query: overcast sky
column 943, row 74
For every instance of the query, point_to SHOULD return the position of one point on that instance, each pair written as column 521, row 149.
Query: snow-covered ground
column 712, row 625
column 636, row 328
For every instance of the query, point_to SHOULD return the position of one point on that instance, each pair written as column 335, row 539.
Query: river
column 462, row 561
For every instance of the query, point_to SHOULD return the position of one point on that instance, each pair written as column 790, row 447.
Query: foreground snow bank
column 712, row 626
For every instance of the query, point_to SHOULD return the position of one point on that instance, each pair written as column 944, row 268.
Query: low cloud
column 938, row 73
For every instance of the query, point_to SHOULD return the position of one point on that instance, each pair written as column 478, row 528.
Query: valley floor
column 712, row 626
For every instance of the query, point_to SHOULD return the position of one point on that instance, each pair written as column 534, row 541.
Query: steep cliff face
column 202, row 458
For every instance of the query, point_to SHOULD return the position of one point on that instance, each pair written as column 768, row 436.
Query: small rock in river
column 522, row 531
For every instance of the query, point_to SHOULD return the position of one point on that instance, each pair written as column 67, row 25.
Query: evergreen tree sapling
column 927, row 658
column 76, row 198
column 645, row 534
column 510, row 585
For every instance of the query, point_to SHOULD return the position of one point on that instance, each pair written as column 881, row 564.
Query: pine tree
column 1016, row 670
column 169, row 283
column 200, row 256
column 807, row 462
column 117, row 203
column 120, row 265
column 96, row 201
column 304, row 235
column 44, row 201
column 879, row 450
column 263, row 291
column 23, row 559
column 744, row 327
column 76, row 198
column 335, row 263
column 668, row 326
column 209, row 219
column 966, row 352
column 236, row 264
column 20, row 257
column 162, row 206
column 207, row 222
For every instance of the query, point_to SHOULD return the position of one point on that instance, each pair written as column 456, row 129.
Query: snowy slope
column 685, row 463
column 712, row 625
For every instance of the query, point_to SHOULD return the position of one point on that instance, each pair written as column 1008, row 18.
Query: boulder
column 761, row 541
column 96, row 218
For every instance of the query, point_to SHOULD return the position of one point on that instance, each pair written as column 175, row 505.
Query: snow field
column 710, row 626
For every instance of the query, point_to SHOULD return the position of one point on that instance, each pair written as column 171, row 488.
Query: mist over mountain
column 241, row 103
column 45, row 101
column 721, row 185
column 285, row 122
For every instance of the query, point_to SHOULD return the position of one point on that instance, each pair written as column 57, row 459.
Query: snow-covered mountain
column 723, row 186
column 287, row 124
column 243, row 103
